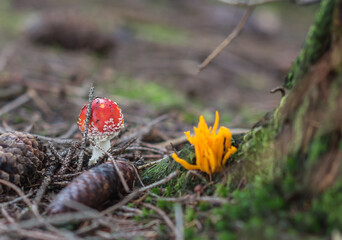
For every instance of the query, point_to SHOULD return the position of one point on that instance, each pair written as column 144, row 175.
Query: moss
column 190, row 214
column 189, row 233
column 147, row 91
column 167, row 166
column 327, row 208
column 160, row 34
column 260, row 210
column 317, row 42
column 256, row 150
column 10, row 20
column 221, row 190
column 317, row 148
column 298, row 126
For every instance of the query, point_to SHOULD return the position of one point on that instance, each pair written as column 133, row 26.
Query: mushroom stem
column 98, row 151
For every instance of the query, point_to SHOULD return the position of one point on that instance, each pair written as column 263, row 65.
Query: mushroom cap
column 106, row 119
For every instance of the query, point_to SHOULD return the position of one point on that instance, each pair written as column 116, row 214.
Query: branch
column 228, row 40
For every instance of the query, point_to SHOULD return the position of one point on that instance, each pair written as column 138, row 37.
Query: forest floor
column 152, row 73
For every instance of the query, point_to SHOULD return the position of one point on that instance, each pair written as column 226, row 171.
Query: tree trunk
column 302, row 141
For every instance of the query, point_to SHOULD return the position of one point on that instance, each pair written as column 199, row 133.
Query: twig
column 48, row 175
column 16, row 200
column 133, row 194
column 22, row 195
column 55, row 152
column 187, row 199
column 10, row 91
column 118, row 151
column 179, row 219
column 70, row 132
column 144, row 156
column 130, row 209
column 55, row 219
column 156, row 150
column 175, row 141
column 14, row 104
column 6, row 127
column 164, row 216
column 37, row 234
column 128, row 235
column 6, row 215
column 280, row 89
column 90, row 228
column 144, row 130
column 65, row 176
column 150, row 164
column 31, row 206
column 138, row 176
column 55, row 140
column 154, row 146
column 61, row 184
column 39, row 101
column 66, row 161
column 228, row 39
column 197, row 174
column 86, row 125
column 35, row 117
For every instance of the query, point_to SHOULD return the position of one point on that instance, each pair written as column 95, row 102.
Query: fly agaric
column 105, row 123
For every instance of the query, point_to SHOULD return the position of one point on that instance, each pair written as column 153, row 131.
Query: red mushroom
column 105, row 123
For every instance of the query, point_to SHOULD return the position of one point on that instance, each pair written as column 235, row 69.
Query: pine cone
column 21, row 155
column 95, row 188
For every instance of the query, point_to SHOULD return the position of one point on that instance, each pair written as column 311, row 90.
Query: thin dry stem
column 41, row 103
column 31, row 206
column 16, row 200
column 6, row 215
column 189, row 199
column 179, row 219
column 66, row 161
column 135, row 193
column 164, row 216
column 143, row 130
column 48, row 174
column 14, row 104
column 150, row 164
column 228, row 39
column 86, row 126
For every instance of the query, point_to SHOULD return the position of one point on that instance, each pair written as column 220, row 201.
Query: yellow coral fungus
column 212, row 149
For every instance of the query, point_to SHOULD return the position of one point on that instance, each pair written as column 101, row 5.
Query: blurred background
column 143, row 54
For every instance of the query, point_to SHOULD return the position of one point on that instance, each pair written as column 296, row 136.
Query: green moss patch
column 160, row 34
column 147, row 91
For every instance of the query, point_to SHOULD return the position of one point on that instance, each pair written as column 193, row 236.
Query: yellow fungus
column 212, row 147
